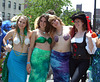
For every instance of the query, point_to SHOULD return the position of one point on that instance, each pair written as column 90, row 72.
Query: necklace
column 43, row 32
column 60, row 31
column 22, row 44
column 22, row 40
column 59, row 34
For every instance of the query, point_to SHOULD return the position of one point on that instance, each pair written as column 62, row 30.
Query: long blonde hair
column 53, row 29
column 27, row 23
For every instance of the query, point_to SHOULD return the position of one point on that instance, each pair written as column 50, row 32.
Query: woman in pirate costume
column 82, row 46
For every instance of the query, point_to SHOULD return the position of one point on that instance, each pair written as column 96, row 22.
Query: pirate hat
column 81, row 15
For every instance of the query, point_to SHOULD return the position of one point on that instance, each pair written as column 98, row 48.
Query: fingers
column 88, row 34
column 28, row 68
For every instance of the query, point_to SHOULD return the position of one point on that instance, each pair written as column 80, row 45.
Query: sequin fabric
column 96, row 66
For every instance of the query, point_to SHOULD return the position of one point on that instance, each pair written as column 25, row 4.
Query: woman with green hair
column 17, row 59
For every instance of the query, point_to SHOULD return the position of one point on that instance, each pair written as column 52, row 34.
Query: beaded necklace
column 21, row 40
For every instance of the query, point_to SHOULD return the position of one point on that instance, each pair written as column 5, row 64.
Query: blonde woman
column 61, row 49
column 17, row 59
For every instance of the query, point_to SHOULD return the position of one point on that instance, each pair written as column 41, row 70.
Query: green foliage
column 65, row 16
column 35, row 8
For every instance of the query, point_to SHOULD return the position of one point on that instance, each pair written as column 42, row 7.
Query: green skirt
column 40, row 60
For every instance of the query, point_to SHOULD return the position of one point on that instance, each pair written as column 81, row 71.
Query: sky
column 87, row 5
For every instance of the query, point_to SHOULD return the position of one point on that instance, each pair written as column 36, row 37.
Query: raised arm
column 8, row 35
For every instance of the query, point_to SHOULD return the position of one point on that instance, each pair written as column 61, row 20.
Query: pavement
column 48, row 80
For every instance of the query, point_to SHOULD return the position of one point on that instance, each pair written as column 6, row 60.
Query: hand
column 28, row 68
column 8, row 48
column 88, row 35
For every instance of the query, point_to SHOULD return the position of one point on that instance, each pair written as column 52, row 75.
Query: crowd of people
column 52, row 46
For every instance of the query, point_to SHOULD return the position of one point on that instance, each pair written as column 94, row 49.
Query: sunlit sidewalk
column 50, row 80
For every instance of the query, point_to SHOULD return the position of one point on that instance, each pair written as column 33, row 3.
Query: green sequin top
column 43, row 40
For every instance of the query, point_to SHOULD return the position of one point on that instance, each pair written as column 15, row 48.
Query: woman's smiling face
column 42, row 22
column 78, row 23
column 22, row 23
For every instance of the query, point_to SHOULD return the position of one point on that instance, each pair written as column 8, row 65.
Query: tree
column 65, row 16
column 36, row 8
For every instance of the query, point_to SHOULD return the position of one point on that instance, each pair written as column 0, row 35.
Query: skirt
column 16, row 64
column 40, row 60
column 60, row 66
column 96, row 66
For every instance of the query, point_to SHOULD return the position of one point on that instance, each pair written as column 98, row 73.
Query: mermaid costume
column 60, row 63
column 17, row 62
column 17, row 66
column 40, row 60
column 96, row 65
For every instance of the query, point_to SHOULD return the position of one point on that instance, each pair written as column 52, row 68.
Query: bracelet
column 5, row 45
column 28, row 62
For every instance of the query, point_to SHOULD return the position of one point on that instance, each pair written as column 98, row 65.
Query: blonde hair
column 36, row 23
column 53, row 29
column 27, row 22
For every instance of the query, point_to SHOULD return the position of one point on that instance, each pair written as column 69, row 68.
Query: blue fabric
column 2, row 35
column 60, row 65
column 6, row 25
column 17, row 66
column 96, row 66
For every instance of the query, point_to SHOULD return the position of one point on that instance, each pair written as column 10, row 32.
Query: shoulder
column 12, row 31
column 34, row 32
column 67, row 27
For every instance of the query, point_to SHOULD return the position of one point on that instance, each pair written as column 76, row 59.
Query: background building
column 79, row 8
column 10, row 8
column 97, row 18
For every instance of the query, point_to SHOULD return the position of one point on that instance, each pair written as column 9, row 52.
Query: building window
column 14, row 14
column 14, row 5
column 8, row 16
column 3, row 3
column 9, row 4
column 3, row 15
column 19, row 6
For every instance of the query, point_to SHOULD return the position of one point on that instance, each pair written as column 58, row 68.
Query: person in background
column 13, row 25
column 51, row 12
column 6, row 25
column 39, row 52
column 61, row 49
column 2, row 51
column 2, row 35
column 82, row 46
column 17, row 59
column 96, row 60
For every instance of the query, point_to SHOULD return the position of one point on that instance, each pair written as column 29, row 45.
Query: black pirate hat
column 81, row 15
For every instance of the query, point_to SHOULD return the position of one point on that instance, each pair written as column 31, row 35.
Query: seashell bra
column 66, row 37
column 16, row 40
